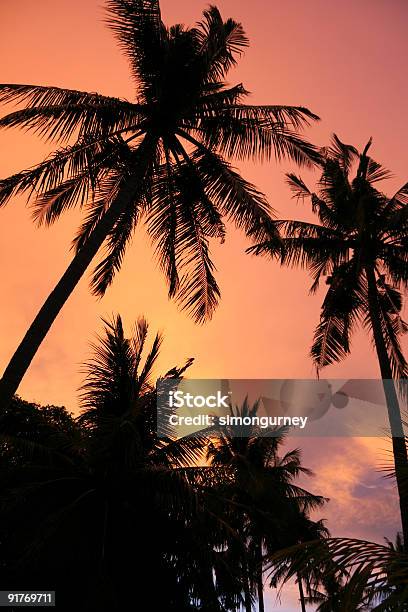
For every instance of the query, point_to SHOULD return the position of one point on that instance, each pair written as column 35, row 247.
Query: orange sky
column 345, row 60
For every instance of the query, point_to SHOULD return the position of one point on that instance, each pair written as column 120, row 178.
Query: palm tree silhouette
column 369, row 575
column 109, row 497
column 161, row 158
column 319, row 583
column 104, row 489
column 360, row 245
column 272, row 509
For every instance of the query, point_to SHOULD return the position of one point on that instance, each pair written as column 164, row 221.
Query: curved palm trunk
column 39, row 328
column 394, row 413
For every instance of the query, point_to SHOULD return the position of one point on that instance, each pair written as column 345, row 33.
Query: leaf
column 219, row 43
column 58, row 114
column 138, row 27
column 261, row 132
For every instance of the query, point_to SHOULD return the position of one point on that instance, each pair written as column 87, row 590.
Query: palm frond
column 138, row 27
column 110, row 372
column 298, row 187
column 331, row 341
column 320, row 252
column 198, row 291
column 401, row 195
column 395, row 261
column 58, row 114
column 63, row 164
column 318, row 248
column 245, row 132
column 325, row 212
column 216, row 97
column 394, row 215
column 115, row 247
column 336, row 191
column 73, row 192
column 375, row 573
column 95, row 208
column 219, row 43
column 393, row 327
column 344, row 303
column 344, row 154
column 138, row 340
column 181, row 220
column 236, row 198
column 162, row 223
column 181, row 453
column 376, row 172
column 144, row 376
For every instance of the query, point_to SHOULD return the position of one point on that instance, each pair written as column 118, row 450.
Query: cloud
column 363, row 503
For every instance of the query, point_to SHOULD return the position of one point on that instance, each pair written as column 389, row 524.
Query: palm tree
column 372, row 576
column 270, row 508
column 120, row 503
column 344, row 573
column 359, row 243
column 318, row 583
column 161, row 158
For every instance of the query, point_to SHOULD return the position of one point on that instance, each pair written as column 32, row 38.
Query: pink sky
column 346, row 61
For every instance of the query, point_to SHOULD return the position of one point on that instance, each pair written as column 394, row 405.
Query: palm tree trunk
column 394, row 413
column 247, row 595
column 259, row 576
column 247, row 588
column 301, row 594
column 39, row 328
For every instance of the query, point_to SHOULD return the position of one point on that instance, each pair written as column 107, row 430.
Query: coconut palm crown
column 361, row 237
column 160, row 158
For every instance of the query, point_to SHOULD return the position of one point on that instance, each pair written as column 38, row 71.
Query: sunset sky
column 345, row 61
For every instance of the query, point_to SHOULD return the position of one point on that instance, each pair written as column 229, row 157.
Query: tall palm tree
column 359, row 243
column 271, row 507
column 161, row 158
